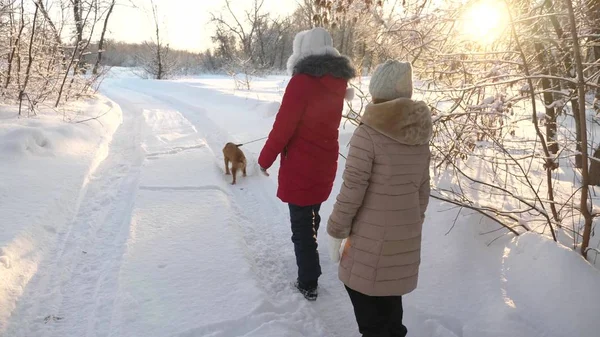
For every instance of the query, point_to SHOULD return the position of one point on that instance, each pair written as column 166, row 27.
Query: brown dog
column 233, row 154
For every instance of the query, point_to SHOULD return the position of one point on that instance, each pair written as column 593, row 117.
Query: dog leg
column 227, row 166
column 234, row 173
column 244, row 170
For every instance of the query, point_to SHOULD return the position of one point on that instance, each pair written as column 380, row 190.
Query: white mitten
column 349, row 94
column 335, row 246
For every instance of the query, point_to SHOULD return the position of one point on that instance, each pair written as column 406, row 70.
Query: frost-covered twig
column 94, row 118
column 482, row 212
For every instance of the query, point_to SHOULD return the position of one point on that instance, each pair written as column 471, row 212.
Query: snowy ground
column 135, row 231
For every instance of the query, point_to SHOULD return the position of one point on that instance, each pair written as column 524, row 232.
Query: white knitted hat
column 316, row 41
column 392, row 80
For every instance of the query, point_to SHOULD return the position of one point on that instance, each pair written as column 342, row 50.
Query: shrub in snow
column 243, row 72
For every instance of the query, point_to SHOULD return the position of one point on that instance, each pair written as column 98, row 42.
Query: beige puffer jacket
column 382, row 203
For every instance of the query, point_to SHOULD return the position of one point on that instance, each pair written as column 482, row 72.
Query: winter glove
column 335, row 246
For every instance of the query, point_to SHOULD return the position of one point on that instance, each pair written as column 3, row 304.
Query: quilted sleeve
column 356, row 180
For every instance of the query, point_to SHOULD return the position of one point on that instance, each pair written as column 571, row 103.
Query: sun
column 484, row 21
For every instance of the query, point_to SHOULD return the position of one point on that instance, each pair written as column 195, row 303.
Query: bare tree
column 102, row 35
column 237, row 28
column 157, row 61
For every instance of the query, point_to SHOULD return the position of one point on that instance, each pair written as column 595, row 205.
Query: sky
column 185, row 22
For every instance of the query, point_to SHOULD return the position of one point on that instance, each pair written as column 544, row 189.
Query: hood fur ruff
column 298, row 56
column 404, row 120
column 321, row 65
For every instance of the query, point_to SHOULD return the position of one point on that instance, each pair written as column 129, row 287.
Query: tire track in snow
column 72, row 293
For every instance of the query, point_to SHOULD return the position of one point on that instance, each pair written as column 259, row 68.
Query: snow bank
column 45, row 165
column 543, row 279
column 27, row 140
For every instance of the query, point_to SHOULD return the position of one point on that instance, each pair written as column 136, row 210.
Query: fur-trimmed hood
column 404, row 120
column 321, row 65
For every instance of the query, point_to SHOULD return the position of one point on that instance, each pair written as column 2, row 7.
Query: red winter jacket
column 305, row 132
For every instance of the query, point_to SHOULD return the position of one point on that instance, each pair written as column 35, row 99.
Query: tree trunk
column 282, row 61
column 42, row 8
column 78, row 16
column 549, row 161
column 577, row 116
column 64, row 79
column 262, row 51
column 30, row 60
column 15, row 46
column 101, row 42
column 567, row 58
column 159, row 72
column 544, row 63
column 595, row 27
column 584, row 207
column 595, row 168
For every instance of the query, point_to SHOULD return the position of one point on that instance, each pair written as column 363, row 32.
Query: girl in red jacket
column 305, row 136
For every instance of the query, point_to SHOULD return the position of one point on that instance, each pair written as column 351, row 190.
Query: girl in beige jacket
column 381, row 206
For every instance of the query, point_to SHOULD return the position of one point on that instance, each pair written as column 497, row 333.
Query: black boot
column 309, row 292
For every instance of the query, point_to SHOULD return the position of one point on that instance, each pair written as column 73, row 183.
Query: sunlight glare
column 484, row 21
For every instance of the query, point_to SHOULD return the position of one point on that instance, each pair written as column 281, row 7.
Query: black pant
column 378, row 316
column 305, row 225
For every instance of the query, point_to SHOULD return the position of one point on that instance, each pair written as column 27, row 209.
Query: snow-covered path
column 162, row 244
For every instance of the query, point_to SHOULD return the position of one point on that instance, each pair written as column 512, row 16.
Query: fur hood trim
column 404, row 120
column 321, row 65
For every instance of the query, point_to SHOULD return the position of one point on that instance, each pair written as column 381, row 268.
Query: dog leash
column 252, row 141
column 263, row 138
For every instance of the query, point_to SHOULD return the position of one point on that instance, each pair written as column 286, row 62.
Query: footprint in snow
column 52, row 318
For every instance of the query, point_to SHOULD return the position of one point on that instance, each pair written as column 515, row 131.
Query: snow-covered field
column 129, row 227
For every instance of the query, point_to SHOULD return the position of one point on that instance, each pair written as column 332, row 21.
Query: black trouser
column 305, row 225
column 378, row 316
